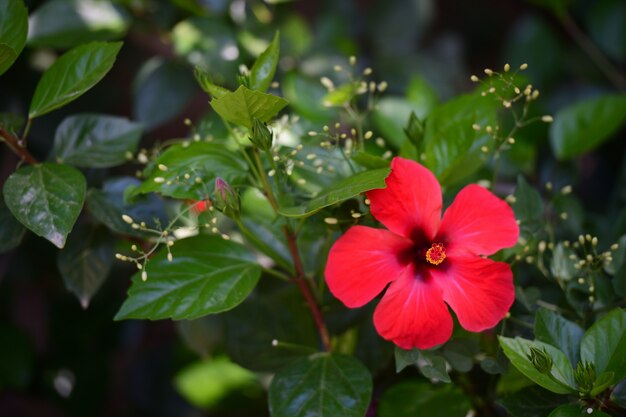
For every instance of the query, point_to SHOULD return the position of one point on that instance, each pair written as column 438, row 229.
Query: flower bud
column 541, row 360
column 585, row 376
column 225, row 199
column 261, row 135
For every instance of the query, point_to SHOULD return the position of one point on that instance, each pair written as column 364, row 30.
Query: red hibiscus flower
column 427, row 260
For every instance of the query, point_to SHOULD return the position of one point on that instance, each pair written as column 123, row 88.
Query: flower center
column 436, row 254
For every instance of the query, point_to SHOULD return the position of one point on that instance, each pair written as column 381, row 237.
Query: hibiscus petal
column 411, row 203
column 412, row 313
column 362, row 262
column 478, row 222
column 479, row 290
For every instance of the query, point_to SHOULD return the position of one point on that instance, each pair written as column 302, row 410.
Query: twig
column 13, row 143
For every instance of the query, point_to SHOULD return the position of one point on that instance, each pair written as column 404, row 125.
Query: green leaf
column 67, row 23
column 305, row 96
column 369, row 161
column 86, row 262
column 11, row 231
column 451, row 145
column 340, row 191
column 13, row 31
column 95, row 141
column 528, row 208
column 264, row 67
column 47, row 198
column 618, row 395
column 561, row 378
column 204, row 79
column 185, row 163
column 207, row 275
column 602, row 382
column 433, row 366
column 161, row 90
column 604, row 344
column 531, row 402
column 391, row 116
column 460, row 353
column 574, row 410
column 584, row 125
column 72, row 75
column 559, row 332
column 411, row 398
column 243, row 105
column 323, row 385
column 405, row 358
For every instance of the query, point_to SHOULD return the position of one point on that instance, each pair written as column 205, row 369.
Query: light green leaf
column 95, row 141
column 13, row 30
column 86, row 262
column 264, row 67
column 204, row 80
column 207, row 275
column 561, row 378
column 559, row 332
column 604, row 344
column 243, row 105
column 411, row 399
column 67, row 23
column 185, row 163
column 584, row 125
column 340, row 191
column 47, row 198
column 369, row 161
column 323, row 385
column 305, row 96
column 72, row 75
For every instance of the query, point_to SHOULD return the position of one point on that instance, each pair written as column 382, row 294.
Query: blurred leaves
column 13, row 30
column 410, row 398
column 11, row 230
column 604, row 344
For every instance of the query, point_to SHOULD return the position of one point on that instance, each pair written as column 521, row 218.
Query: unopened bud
column 127, row 219
column 225, row 199
column 261, row 135
column 547, row 118
column 540, row 359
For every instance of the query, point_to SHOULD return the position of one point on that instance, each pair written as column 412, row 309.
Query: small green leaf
column 95, row 141
column 575, row 410
column 433, row 366
column 13, row 31
column 243, row 105
column 67, row 23
column 405, row 358
column 410, row 399
column 584, row 125
column 85, row 263
column 602, row 382
column 47, row 198
column 528, row 208
column 559, row 332
column 340, row 191
column 532, row 401
column 561, row 378
column 11, row 231
column 391, row 116
column 322, row 385
column 185, row 163
column 341, row 95
column 72, row 75
column 369, row 161
column 207, row 275
column 264, row 67
column 204, row 80
column 604, row 344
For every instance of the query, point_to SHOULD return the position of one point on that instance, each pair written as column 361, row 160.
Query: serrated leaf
column 204, row 80
column 13, row 31
column 584, row 125
column 559, row 332
column 95, row 141
column 207, row 275
column 323, row 385
column 67, row 23
column 243, row 105
column 561, row 380
column 85, row 263
column 72, row 75
column 604, row 344
column 196, row 160
column 264, row 67
column 340, row 191
column 46, row 198
column 11, row 231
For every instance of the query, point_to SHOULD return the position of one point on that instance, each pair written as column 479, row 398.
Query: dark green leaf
column 108, row 205
column 203, row 78
column 561, row 380
column 95, row 141
column 243, row 105
column 11, row 230
column 264, row 67
column 13, row 31
column 582, row 126
column 410, row 399
column 604, row 344
column 340, row 191
column 72, row 75
column 68, row 23
column 433, row 366
column 460, row 353
column 162, row 88
column 207, row 275
column 532, row 402
column 451, row 145
column 528, row 208
column 605, row 23
column 405, row 358
column 185, row 163
column 559, row 332
column 575, row 410
column 562, row 267
column 46, row 198
column 602, row 382
column 85, row 263
column 270, row 330
column 322, row 385
column 618, row 395
column 202, row 335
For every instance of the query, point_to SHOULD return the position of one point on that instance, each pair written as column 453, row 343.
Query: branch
column 13, row 143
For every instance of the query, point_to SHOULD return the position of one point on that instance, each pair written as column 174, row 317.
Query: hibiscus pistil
column 436, row 254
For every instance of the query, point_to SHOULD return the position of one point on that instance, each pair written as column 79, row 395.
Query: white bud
column 127, row 219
